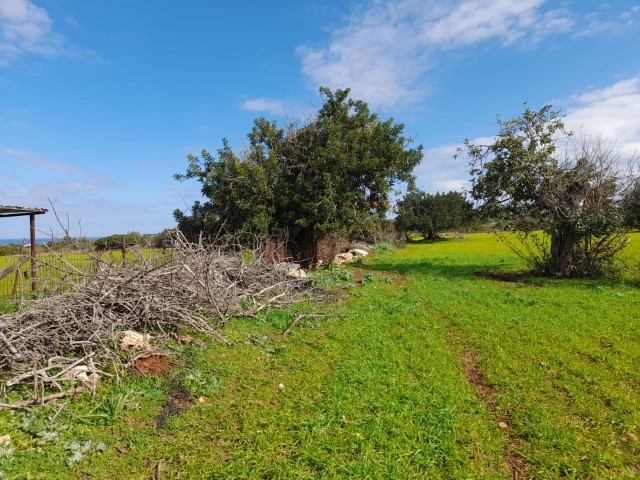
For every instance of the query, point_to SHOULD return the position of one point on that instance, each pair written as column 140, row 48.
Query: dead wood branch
column 192, row 286
column 299, row 317
column 43, row 400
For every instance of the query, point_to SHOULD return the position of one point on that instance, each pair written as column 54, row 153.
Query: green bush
column 69, row 243
column 10, row 249
column 383, row 247
column 118, row 240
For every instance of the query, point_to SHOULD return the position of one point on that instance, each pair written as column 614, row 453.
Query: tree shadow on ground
column 427, row 267
column 482, row 272
column 427, row 241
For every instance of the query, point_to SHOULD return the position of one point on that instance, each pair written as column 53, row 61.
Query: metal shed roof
column 12, row 211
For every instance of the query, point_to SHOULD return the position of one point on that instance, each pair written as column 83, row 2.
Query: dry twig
column 193, row 286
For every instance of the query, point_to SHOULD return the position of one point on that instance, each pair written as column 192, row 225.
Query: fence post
column 124, row 251
column 14, row 291
column 34, row 261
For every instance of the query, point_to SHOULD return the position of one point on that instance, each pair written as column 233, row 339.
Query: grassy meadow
column 53, row 267
column 435, row 362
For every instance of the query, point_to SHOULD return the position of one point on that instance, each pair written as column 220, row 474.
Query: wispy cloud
column 85, row 197
column 27, row 29
column 444, row 168
column 285, row 108
column 29, row 159
column 72, row 21
column 267, row 105
column 385, row 48
column 608, row 21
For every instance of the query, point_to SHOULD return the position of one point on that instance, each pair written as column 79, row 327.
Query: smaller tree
column 432, row 214
column 558, row 194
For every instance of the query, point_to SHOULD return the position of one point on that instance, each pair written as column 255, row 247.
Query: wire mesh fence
column 20, row 278
column 56, row 270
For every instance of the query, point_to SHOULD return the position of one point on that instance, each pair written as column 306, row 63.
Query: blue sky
column 100, row 102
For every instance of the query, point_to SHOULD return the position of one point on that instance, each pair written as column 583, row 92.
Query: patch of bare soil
column 152, row 364
column 510, row 277
column 516, row 463
column 476, row 378
column 357, row 276
column 179, row 400
column 517, row 466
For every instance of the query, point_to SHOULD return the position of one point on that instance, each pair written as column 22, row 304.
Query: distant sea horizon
column 39, row 240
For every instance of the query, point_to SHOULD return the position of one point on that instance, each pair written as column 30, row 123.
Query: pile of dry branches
column 195, row 287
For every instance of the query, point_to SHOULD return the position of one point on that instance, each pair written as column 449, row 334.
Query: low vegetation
column 443, row 360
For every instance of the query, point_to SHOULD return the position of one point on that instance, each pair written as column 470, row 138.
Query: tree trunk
column 430, row 234
column 562, row 250
column 306, row 248
column 276, row 249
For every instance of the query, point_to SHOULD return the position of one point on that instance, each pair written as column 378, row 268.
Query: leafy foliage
column 330, row 175
column 164, row 239
column 118, row 240
column 431, row 214
column 631, row 205
column 10, row 249
column 535, row 177
column 67, row 243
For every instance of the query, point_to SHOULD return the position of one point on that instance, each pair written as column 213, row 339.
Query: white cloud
column 613, row 112
column 84, row 200
column 445, row 168
column 474, row 21
column 452, row 184
column 72, row 21
column 290, row 111
column 442, row 170
column 27, row 29
column 268, row 105
column 385, row 48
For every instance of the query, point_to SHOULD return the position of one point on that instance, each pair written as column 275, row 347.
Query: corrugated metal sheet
column 13, row 210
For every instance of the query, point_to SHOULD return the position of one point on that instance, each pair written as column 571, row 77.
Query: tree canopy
column 535, row 177
column 430, row 214
column 328, row 175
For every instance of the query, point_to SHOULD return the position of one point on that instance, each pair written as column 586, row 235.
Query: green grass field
column 54, row 266
column 50, row 268
column 431, row 371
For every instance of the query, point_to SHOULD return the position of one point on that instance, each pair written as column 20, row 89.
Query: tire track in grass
column 516, row 463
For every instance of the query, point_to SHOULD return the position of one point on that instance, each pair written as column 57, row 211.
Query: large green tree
column 329, row 175
column 535, row 177
column 432, row 214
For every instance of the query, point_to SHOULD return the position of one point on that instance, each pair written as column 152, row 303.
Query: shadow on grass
column 427, row 267
column 426, row 241
column 483, row 272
